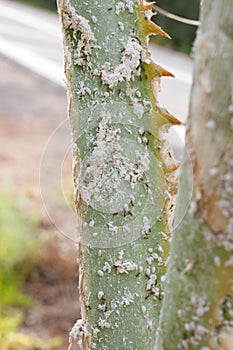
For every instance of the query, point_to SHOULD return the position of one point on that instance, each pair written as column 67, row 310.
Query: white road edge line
column 30, row 20
column 38, row 64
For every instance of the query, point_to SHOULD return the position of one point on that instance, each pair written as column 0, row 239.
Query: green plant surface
column 197, row 311
column 124, row 175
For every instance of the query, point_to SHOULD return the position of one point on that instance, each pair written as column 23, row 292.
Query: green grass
column 19, row 341
column 19, row 242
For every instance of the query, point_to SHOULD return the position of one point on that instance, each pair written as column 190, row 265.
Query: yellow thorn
column 169, row 117
column 150, row 28
column 148, row 5
column 154, row 70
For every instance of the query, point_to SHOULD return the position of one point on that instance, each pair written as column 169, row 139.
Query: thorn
column 148, row 5
column 155, row 70
column 150, row 28
column 169, row 117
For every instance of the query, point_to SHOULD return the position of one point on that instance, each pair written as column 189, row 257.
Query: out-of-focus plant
column 44, row 4
column 18, row 248
column 19, row 341
column 182, row 34
column 19, row 243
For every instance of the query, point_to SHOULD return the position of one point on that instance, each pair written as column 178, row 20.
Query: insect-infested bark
column 197, row 311
column 123, row 173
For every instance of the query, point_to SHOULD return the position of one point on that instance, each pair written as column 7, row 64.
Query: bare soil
column 30, row 110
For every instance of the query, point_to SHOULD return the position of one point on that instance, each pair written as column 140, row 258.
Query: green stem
column 123, row 174
column 197, row 311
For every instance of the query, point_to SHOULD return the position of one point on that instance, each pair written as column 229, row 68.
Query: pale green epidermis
column 122, row 194
column 195, row 310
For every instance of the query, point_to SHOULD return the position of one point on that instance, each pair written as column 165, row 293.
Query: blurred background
column 38, row 272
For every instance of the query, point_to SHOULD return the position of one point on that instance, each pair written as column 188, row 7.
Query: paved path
column 32, row 37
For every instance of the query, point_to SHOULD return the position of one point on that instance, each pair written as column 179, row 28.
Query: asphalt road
column 32, row 37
